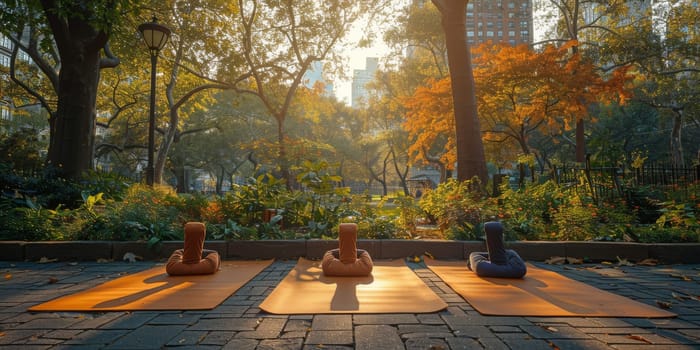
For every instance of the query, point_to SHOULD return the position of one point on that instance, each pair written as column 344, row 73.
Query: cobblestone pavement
column 239, row 324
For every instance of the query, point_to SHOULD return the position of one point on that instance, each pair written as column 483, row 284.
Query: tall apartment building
column 360, row 79
column 5, row 52
column 500, row 21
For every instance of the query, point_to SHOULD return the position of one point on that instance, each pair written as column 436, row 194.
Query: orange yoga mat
column 154, row 289
column 540, row 293
column 392, row 288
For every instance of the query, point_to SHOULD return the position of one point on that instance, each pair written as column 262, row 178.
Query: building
column 5, row 56
column 360, row 79
column 500, row 21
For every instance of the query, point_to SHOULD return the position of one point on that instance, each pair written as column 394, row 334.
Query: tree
column 582, row 21
column 470, row 149
column 68, row 42
column 661, row 42
column 279, row 44
column 522, row 92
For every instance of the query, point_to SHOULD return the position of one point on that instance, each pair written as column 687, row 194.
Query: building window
column 523, row 24
column 5, row 42
column 470, row 34
column 524, row 34
column 489, row 34
column 4, row 112
column 511, row 33
column 4, row 60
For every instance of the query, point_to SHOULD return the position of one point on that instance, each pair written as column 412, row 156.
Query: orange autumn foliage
column 430, row 122
column 519, row 92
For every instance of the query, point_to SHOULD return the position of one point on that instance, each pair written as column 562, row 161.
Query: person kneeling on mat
column 193, row 259
column 498, row 261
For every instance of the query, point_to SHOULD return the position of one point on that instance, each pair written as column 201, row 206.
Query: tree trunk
column 72, row 135
column 470, row 149
column 676, row 146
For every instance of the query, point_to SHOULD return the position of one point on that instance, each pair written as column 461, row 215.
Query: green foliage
column 456, row 206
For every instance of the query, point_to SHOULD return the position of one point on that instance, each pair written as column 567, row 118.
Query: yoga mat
column 154, row 289
column 392, row 288
column 540, row 293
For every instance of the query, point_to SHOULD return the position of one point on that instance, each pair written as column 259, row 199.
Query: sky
column 357, row 56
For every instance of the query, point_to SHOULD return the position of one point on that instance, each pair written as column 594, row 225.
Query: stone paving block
column 280, row 344
column 96, row 337
column 225, row 324
column 331, row 322
column 15, row 335
column 554, row 332
column 175, row 318
column 472, row 331
column 187, row 338
column 93, row 321
column 129, row 320
column 48, row 323
column 495, row 344
column 269, row 328
column 428, row 319
column 147, row 337
column 297, row 325
column 63, row 334
column 420, row 328
column 426, row 343
column 217, row 338
column 370, row 337
column 386, row 319
column 463, row 344
column 523, row 341
column 579, row 344
column 68, row 250
column 633, row 338
column 241, row 344
column 289, row 249
column 330, row 337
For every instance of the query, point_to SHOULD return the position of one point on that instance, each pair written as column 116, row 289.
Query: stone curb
column 670, row 253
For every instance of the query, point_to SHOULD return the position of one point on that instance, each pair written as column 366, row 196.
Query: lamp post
column 155, row 36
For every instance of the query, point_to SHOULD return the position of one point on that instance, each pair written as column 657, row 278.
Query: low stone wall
column 379, row 249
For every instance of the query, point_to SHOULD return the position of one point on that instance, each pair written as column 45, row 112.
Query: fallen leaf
column 639, row 337
column 606, row 263
column 623, row 262
column 103, row 260
column 73, row 263
column 8, row 276
column 648, row 262
column 429, row 255
column 45, row 260
column 131, row 257
column 574, row 261
column 53, row 280
column 663, row 304
column 555, row 260
column 683, row 277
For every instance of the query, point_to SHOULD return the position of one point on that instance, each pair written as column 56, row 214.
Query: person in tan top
column 193, row 259
column 347, row 260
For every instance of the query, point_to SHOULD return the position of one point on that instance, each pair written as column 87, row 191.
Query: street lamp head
column 154, row 35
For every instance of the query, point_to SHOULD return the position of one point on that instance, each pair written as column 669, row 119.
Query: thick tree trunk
column 72, row 136
column 470, row 149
